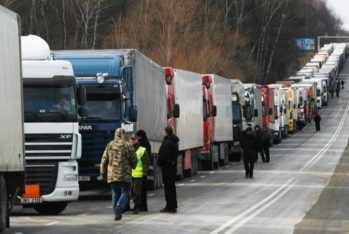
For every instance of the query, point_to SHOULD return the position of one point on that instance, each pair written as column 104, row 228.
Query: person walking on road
column 138, row 173
column 167, row 160
column 249, row 145
column 258, row 134
column 337, row 89
column 317, row 120
column 143, row 141
column 266, row 143
column 118, row 159
column 342, row 83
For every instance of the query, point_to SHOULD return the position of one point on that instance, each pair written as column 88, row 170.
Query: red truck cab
column 209, row 112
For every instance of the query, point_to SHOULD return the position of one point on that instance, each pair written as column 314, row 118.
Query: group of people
column 340, row 84
column 125, row 166
column 252, row 143
column 259, row 141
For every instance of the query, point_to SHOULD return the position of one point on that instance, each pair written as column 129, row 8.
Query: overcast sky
column 341, row 9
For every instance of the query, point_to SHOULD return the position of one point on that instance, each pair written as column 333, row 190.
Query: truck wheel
column 51, row 208
column 209, row 164
column 4, row 205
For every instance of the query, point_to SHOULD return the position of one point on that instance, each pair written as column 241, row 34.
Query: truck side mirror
column 83, row 112
column 214, row 111
column 132, row 114
column 255, row 113
column 270, row 112
column 82, row 95
column 176, row 110
column 285, row 111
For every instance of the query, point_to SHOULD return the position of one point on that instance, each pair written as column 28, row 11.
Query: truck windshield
column 236, row 113
column 318, row 93
column 103, row 107
column 49, row 103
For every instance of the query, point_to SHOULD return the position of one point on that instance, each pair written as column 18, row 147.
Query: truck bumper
column 236, row 147
column 205, row 155
column 62, row 195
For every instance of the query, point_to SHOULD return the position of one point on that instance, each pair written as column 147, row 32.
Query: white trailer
column 281, row 107
column 223, row 124
column 12, row 158
column 150, row 98
column 188, row 126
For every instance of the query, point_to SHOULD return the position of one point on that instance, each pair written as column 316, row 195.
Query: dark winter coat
column 250, row 145
column 266, row 138
column 144, row 141
column 317, row 119
column 168, row 151
column 258, row 134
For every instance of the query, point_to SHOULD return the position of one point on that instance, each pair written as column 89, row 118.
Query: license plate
column 31, row 200
column 84, row 178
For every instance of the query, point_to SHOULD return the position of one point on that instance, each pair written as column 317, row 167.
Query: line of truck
column 66, row 105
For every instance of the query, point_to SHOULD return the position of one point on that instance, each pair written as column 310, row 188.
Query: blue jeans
column 120, row 192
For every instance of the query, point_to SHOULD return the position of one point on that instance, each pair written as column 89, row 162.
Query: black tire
column 209, row 164
column 3, row 205
column 52, row 208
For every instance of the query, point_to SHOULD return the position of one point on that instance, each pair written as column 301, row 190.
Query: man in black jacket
column 167, row 160
column 249, row 144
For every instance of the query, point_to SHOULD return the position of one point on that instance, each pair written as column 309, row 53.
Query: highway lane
column 302, row 190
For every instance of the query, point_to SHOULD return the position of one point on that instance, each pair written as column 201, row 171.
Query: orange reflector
column 32, row 191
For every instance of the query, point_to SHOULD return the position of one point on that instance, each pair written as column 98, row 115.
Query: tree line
column 250, row 40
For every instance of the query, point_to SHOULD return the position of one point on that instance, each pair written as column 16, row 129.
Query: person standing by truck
column 317, row 120
column 118, row 159
column 249, row 145
column 138, row 173
column 342, row 83
column 258, row 133
column 266, row 143
column 167, row 160
column 144, row 142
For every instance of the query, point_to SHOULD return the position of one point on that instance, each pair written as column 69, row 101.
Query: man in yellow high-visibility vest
column 138, row 173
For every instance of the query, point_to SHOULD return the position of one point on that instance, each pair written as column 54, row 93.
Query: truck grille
column 93, row 146
column 43, row 173
column 41, row 146
column 43, row 152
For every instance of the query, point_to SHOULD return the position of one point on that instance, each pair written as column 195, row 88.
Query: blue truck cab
column 109, row 93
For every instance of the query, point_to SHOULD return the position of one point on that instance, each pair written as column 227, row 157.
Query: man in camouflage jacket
column 118, row 159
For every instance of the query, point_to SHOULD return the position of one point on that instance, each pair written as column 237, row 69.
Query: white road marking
column 179, row 185
column 84, row 214
column 260, row 204
column 192, row 180
column 212, row 172
column 109, row 207
column 151, row 194
column 49, row 224
column 202, row 176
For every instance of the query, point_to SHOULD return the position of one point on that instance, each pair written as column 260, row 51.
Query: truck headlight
column 70, row 177
column 100, row 79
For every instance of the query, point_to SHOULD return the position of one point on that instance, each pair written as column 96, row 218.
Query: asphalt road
column 304, row 189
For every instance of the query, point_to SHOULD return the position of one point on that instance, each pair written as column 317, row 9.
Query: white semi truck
column 12, row 158
column 52, row 138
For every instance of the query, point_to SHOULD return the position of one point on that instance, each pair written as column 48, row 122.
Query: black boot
column 135, row 210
